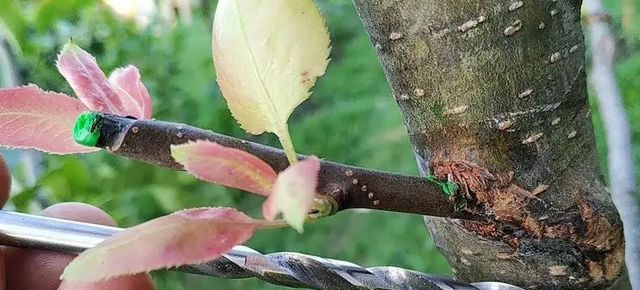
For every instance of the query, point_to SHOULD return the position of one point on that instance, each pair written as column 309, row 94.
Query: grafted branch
column 349, row 186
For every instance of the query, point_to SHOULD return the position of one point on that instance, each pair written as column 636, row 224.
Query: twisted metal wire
column 305, row 271
column 286, row 269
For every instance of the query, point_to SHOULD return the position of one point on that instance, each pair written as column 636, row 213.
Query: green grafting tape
column 86, row 130
column 448, row 187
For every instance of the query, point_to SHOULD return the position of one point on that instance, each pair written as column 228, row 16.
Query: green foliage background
column 351, row 118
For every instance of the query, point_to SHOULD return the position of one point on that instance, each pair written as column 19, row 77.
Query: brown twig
column 349, row 186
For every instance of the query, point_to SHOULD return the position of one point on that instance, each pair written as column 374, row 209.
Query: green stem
column 276, row 224
column 281, row 223
column 287, row 145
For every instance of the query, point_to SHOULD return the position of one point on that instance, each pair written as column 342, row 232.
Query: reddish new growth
column 186, row 237
column 33, row 118
column 29, row 114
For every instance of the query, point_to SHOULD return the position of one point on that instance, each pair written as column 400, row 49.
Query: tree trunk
column 493, row 95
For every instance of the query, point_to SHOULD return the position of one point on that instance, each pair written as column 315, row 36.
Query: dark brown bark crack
column 526, row 223
column 493, row 95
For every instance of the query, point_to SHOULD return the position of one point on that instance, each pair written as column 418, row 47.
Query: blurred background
column 351, row 118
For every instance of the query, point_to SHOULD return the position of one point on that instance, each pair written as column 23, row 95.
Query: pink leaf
column 293, row 193
column 230, row 167
column 33, row 118
column 132, row 91
column 81, row 71
column 189, row 236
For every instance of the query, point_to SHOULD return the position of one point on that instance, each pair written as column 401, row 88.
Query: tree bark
column 493, row 96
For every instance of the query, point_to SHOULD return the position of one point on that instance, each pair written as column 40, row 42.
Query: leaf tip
column 298, row 226
column 68, row 47
column 72, row 272
column 177, row 152
column 269, row 210
column 181, row 152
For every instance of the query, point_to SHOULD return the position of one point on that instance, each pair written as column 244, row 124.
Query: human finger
column 5, row 182
column 35, row 269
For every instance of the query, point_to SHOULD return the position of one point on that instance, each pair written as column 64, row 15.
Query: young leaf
column 35, row 119
column 132, row 91
column 268, row 55
column 185, row 237
column 87, row 80
column 230, row 167
column 293, row 193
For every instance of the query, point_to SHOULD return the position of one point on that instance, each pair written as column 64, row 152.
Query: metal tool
column 287, row 269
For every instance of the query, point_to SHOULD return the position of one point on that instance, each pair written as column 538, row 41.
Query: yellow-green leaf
column 268, row 55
